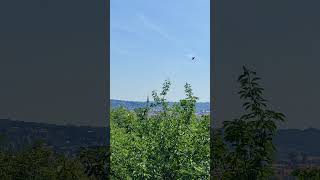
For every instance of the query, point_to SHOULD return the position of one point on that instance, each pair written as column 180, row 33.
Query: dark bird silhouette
column 193, row 58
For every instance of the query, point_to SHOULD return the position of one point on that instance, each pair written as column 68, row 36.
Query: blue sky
column 152, row 41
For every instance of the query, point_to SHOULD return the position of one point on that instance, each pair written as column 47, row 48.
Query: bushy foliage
column 96, row 161
column 170, row 144
column 244, row 148
column 38, row 162
column 307, row 174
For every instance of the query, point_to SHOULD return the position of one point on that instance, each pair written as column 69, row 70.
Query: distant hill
column 70, row 138
column 295, row 140
column 15, row 135
column 201, row 107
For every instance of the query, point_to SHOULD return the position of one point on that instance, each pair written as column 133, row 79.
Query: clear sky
column 154, row 40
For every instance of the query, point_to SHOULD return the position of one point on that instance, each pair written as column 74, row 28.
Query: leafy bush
column 96, row 161
column 307, row 174
column 39, row 162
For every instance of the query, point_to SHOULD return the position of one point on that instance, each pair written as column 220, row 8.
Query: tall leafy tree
column 250, row 149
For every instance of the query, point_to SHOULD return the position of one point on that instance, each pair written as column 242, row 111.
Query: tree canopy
column 170, row 144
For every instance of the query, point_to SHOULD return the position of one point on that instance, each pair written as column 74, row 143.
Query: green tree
column 250, row 149
column 172, row 143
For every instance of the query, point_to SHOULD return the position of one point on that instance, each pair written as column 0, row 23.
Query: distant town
column 201, row 107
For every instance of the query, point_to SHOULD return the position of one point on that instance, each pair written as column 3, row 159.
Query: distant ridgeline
column 67, row 139
column 296, row 141
column 15, row 135
column 201, row 107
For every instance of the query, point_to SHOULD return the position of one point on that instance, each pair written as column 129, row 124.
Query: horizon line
column 152, row 101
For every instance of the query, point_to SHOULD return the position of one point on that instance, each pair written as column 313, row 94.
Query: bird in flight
column 193, row 58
